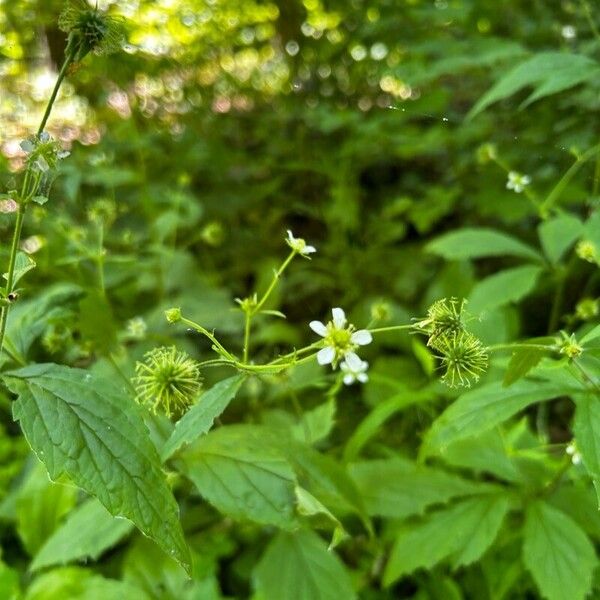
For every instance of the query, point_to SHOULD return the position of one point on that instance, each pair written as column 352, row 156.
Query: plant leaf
column 523, row 360
column 586, row 427
column 557, row 553
column 510, row 285
column 477, row 242
column 88, row 531
column 398, row 488
column 200, row 418
column 463, row 531
column 240, row 472
column 481, row 409
column 298, row 566
column 90, row 430
column 23, row 264
column 558, row 234
column 547, row 72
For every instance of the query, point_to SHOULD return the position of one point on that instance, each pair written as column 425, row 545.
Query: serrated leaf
column 521, row 362
column 398, row 488
column 23, row 264
column 503, row 288
column 469, row 243
column 76, row 583
column 87, row 428
column 481, row 409
column 557, row 235
column 242, row 474
column 298, row 566
column 547, row 72
column 586, row 427
column 316, row 424
column 308, row 506
column 200, row 418
column 41, row 200
column 463, row 532
column 557, row 553
column 87, row 533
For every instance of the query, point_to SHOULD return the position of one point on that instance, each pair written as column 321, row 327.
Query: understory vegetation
column 300, row 300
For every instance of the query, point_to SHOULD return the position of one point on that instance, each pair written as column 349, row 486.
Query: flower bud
column 173, row 315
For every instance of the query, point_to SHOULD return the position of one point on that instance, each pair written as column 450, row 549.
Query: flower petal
column 290, row 235
column 318, row 328
column 361, row 337
column 362, row 377
column 308, row 250
column 348, row 379
column 353, row 361
column 339, row 318
column 326, row 355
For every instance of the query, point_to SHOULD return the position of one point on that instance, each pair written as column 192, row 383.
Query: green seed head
column 463, row 357
column 444, row 318
column 168, row 380
column 90, row 30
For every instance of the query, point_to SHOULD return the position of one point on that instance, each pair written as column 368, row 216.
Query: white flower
column 575, row 455
column 517, row 182
column 354, row 369
column 299, row 245
column 136, row 328
column 340, row 341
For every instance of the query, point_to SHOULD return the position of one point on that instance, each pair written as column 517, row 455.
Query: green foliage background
column 364, row 127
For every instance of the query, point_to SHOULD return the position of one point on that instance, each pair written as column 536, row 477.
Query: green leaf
column 586, row 427
column 399, row 488
column 298, row 566
column 547, row 72
column 469, row 243
column 23, row 264
column 308, row 506
column 90, row 430
column 590, row 336
column 523, row 360
column 462, row 532
column 29, row 319
column 481, row 409
column 316, row 424
column 96, row 322
column 557, row 235
column 503, row 288
column 240, row 472
column 200, row 418
column 40, row 506
column 75, row 583
column 87, row 533
column 489, row 452
column 557, row 553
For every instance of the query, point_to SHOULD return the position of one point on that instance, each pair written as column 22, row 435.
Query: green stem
column 586, row 375
column 517, row 346
column 211, row 337
column 61, row 75
column 276, row 278
column 391, row 328
column 25, row 195
column 248, row 318
column 566, row 178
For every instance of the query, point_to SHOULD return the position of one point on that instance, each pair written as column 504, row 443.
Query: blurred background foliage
column 226, row 122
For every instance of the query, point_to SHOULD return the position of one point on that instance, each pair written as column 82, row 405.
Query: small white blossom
column 299, row 245
column 517, row 181
column 354, row 369
column 575, row 455
column 8, row 205
column 32, row 244
column 136, row 328
column 340, row 340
